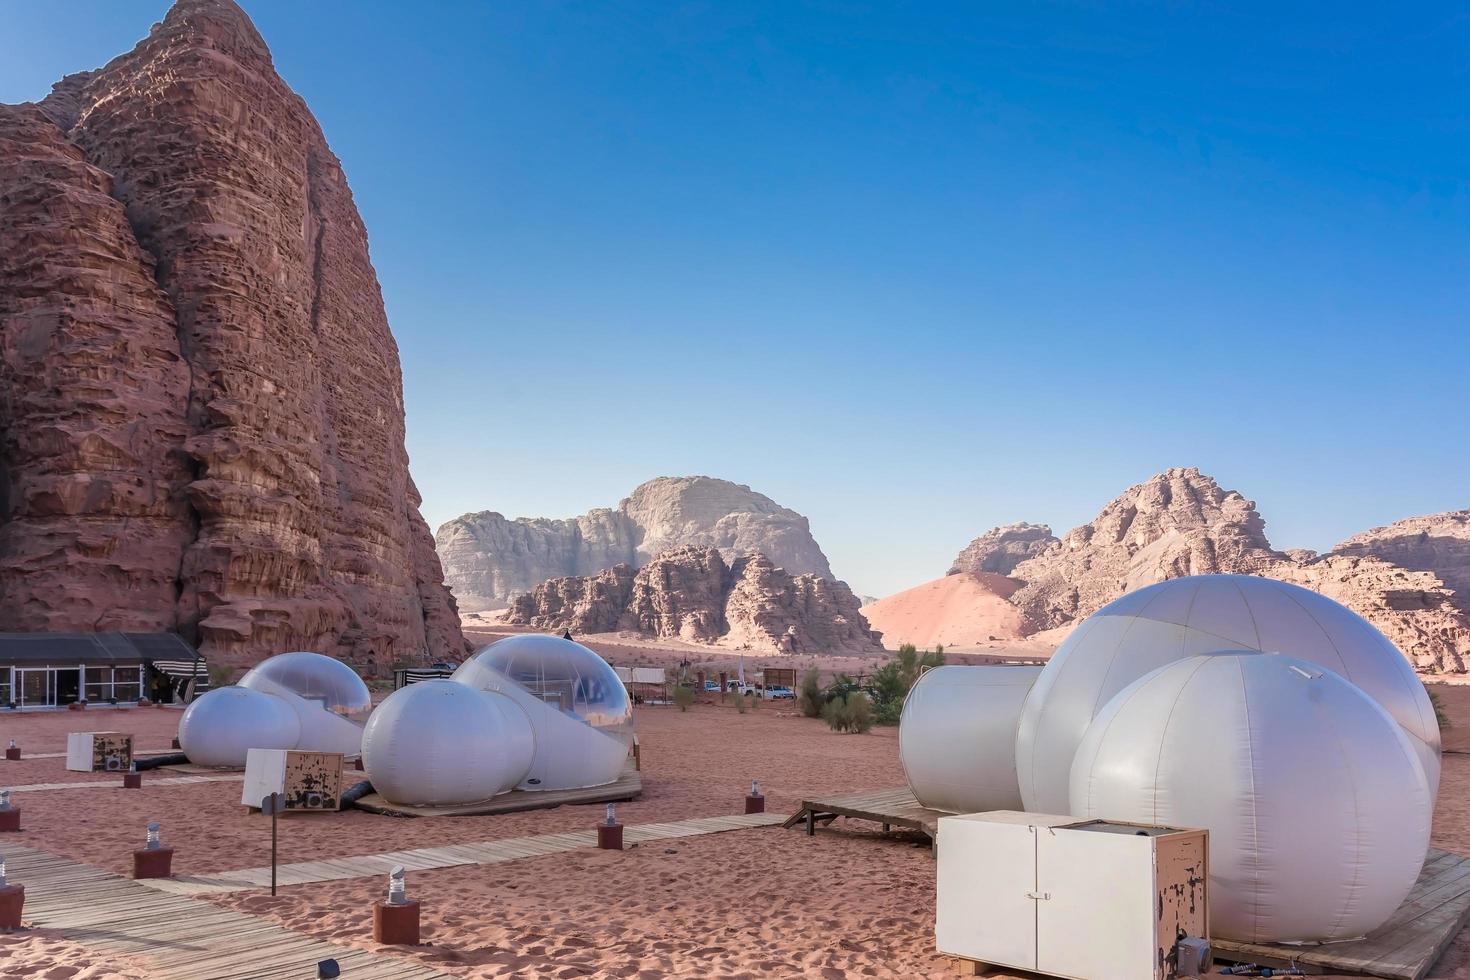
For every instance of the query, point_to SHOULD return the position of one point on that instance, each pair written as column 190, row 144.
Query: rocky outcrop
column 1403, row 578
column 203, row 422
column 1177, row 523
column 693, row 594
column 489, row 559
column 1436, row 543
column 1001, row 549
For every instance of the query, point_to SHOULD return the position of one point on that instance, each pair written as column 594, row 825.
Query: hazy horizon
column 911, row 273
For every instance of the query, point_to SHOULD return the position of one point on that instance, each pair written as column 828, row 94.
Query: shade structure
column 330, row 701
column 1183, row 617
column 222, row 725
column 957, row 737
column 1317, row 805
column 437, row 743
column 579, row 711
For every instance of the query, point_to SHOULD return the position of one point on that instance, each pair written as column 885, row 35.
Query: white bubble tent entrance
column 1277, row 719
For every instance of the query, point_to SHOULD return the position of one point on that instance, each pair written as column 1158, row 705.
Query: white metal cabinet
column 1084, row 899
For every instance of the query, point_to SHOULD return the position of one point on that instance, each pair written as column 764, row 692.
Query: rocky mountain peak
column 1001, row 549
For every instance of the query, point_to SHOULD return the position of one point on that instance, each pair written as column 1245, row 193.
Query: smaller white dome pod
column 437, row 743
column 579, row 709
column 1316, row 803
column 957, row 737
column 331, row 702
column 222, row 725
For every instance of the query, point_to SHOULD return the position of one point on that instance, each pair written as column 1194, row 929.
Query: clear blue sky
column 913, row 270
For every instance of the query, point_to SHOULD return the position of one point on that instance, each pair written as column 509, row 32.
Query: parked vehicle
column 712, row 686
column 777, row 692
column 735, row 685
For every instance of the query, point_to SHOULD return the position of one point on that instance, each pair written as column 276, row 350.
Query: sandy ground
column 847, row 903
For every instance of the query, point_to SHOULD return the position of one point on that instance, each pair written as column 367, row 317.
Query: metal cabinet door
column 986, row 874
column 1095, row 911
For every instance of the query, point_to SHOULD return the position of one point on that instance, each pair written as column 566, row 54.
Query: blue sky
column 913, row 270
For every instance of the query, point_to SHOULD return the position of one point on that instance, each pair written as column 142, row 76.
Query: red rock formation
column 691, row 594
column 1001, row 549
column 274, row 436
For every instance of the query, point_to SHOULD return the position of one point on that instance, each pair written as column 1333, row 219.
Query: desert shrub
column 683, row 697
column 851, row 713
column 811, row 700
column 220, row 675
column 756, row 699
column 742, row 703
column 1440, row 715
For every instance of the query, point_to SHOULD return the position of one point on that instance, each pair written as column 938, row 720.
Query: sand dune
column 966, row 611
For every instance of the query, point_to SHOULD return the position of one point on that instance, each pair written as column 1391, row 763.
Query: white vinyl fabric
column 1183, row 617
column 957, row 737
column 439, row 743
column 320, row 730
column 222, row 725
column 580, row 712
column 1317, row 806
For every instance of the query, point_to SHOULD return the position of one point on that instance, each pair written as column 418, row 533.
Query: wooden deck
column 180, row 938
column 148, row 780
column 449, row 856
column 629, row 786
column 889, row 807
column 1403, row 948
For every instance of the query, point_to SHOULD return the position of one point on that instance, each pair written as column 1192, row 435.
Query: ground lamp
column 153, row 860
column 755, row 802
column 610, row 832
column 12, row 898
column 396, row 920
column 9, row 813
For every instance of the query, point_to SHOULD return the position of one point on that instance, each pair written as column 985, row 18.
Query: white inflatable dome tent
column 1183, row 617
column 330, row 700
column 221, row 726
column 1316, row 802
column 438, row 743
column 579, row 711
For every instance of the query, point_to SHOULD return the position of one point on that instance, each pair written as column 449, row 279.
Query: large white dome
column 1317, row 806
column 957, row 737
column 579, row 710
column 439, row 743
column 1183, row 617
column 222, row 725
column 330, row 701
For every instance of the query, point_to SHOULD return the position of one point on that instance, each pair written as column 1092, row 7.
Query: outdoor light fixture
column 397, row 886
column 12, row 743
column 2, row 871
column 153, row 843
column 328, row 970
column 611, row 815
column 133, row 766
column 4, row 799
column 755, row 787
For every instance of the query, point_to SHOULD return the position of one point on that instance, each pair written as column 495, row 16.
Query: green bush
column 1440, row 715
column 852, row 713
column 742, row 703
column 683, row 697
column 811, row 700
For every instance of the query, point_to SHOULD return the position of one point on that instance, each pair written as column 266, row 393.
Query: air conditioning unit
column 99, row 752
column 305, row 780
column 1082, row 899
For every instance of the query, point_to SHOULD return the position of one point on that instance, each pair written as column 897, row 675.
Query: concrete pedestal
column 12, row 899
column 755, row 804
column 12, row 754
column 134, row 780
column 396, row 925
column 10, row 819
column 610, row 836
column 157, row 863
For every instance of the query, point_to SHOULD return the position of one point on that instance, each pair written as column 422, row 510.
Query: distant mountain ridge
column 489, row 559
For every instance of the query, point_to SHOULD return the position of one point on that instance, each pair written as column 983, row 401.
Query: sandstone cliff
column 488, row 559
column 693, row 594
column 203, row 428
column 1407, row 579
column 1001, row 549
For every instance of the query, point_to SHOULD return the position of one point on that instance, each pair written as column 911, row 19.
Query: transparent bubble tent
column 1276, row 718
column 578, row 709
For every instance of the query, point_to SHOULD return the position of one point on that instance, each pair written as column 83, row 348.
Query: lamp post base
column 610, row 836
column 157, row 863
column 396, row 925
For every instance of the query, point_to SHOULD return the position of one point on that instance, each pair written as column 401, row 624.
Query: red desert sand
column 847, row 903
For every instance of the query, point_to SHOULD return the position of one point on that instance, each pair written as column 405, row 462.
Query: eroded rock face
column 692, row 594
column 1178, row 523
column 489, row 559
column 210, row 436
column 1400, row 578
column 1001, row 549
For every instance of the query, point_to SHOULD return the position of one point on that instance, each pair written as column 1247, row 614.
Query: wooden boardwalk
column 1403, row 948
column 628, row 786
column 181, row 938
column 889, row 807
column 448, row 856
column 148, row 780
